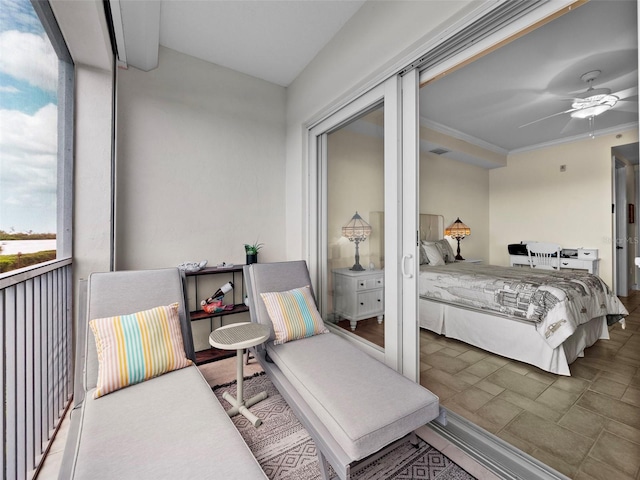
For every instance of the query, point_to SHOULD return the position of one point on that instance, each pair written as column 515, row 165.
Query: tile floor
column 586, row 426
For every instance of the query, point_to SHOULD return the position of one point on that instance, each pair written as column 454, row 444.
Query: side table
column 358, row 295
column 239, row 336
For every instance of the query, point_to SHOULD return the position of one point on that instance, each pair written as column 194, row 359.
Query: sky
column 28, row 121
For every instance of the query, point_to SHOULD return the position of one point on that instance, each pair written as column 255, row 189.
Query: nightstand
column 358, row 295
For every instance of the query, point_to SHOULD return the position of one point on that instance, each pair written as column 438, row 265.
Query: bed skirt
column 510, row 338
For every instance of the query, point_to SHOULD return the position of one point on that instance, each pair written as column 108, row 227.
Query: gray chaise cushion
column 362, row 402
column 169, row 427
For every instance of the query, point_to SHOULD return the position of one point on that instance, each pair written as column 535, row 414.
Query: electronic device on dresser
column 572, row 258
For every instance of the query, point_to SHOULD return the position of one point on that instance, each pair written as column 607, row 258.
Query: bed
column 542, row 317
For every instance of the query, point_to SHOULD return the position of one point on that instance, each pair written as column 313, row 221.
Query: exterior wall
column 86, row 34
column 92, row 172
column 200, row 171
column 531, row 199
column 200, row 165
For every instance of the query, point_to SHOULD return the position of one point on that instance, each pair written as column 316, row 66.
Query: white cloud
column 9, row 89
column 29, row 57
column 18, row 15
column 28, row 162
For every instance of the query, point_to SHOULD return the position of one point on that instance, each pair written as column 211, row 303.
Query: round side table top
column 239, row 335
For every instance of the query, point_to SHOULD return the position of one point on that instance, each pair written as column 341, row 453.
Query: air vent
column 439, row 151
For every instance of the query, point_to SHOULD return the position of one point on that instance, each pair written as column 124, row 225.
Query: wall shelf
column 213, row 354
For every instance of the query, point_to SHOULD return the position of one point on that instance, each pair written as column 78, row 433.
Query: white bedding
column 510, row 338
column 546, row 319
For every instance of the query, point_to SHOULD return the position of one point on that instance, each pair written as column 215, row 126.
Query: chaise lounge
column 170, row 426
column 352, row 405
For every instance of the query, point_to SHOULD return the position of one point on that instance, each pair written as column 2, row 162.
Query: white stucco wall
column 200, row 164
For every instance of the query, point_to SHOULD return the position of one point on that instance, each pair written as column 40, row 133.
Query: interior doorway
column 624, row 162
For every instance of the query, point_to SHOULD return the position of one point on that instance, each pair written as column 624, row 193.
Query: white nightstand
column 358, row 295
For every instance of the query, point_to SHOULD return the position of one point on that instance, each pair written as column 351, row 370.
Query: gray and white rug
column 286, row 452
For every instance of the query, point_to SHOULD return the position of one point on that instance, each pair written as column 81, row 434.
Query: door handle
column 405, row 257
column 618, row 247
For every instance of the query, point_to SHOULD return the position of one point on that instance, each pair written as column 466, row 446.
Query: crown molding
column 438, row 127
column 575, row 138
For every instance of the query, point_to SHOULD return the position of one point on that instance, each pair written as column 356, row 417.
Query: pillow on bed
column 433, row 253
column 137, row 347
column 446, row 251
column 424, row 260
column 294, row 314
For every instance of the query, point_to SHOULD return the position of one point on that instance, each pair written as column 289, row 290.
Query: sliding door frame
column 387, row 94
column 493, row 24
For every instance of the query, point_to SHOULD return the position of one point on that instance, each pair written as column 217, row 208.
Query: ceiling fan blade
column 626, row 106
column 629, row 92
column 549, row 116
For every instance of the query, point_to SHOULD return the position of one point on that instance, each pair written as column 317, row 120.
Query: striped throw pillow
column 136, row 347
column 294, row 314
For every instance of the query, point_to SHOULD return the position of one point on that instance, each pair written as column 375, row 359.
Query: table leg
column 239, row 405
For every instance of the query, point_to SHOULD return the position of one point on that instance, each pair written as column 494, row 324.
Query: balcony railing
column 37, row 378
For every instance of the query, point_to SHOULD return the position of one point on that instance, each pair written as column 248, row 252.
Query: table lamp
column 458, row 230
column 357, row 230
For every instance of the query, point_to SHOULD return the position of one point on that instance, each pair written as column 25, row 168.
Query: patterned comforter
column 557, row 302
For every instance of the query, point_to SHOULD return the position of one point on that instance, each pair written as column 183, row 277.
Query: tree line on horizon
column 28, row 235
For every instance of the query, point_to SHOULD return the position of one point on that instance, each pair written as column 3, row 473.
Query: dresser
column 574, row 263
column 358, row 295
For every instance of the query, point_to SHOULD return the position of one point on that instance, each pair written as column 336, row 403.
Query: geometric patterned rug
column 285, row 450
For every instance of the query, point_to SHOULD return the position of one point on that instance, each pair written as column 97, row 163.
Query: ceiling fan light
column 593, row 106
column 590, row 111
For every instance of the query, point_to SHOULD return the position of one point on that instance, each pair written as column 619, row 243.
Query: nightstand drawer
column 370, row 282
column 370, row 302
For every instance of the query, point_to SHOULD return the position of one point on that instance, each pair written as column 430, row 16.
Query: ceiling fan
column 589, row 104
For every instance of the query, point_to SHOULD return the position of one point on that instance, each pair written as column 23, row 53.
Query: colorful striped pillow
column 136, row 347
column 294, row 314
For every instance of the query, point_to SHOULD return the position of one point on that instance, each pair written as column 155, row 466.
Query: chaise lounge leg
column 324, row 465
column 414, row 440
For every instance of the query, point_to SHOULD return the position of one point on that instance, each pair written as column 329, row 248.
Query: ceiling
column 536, row 76
column 484, row 102
column 269, row 39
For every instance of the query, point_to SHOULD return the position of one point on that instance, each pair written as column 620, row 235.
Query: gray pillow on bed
column 433, row 253
column 424, row 260
column 446, row 251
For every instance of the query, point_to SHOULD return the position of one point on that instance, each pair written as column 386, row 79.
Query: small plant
column 252, row 249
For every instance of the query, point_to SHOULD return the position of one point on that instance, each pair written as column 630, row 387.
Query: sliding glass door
column 358, row 224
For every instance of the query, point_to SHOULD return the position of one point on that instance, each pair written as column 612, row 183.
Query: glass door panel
column 355, row 167
column 355, row 227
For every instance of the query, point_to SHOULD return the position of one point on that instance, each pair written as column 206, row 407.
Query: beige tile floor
column 586, row 426
column 224, row 371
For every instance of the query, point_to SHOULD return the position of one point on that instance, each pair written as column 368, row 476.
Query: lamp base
column 458, row 256
column 357, row 268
